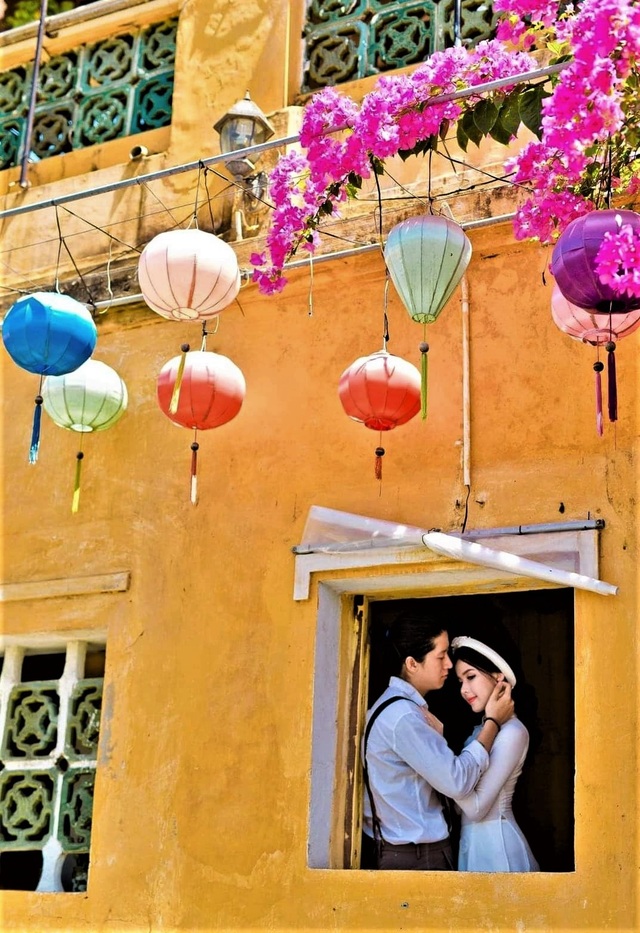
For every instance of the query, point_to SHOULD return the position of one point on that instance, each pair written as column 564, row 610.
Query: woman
column 490, row 838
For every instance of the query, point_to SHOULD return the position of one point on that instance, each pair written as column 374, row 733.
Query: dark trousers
column 426, row 856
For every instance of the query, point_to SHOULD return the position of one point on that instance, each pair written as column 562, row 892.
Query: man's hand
column 500, row 705
column 433, row 721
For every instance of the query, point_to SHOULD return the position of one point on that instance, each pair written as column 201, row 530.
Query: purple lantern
column 574, row 259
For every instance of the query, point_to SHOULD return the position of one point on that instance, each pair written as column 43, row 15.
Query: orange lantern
column 212, row 393
column 380, row 391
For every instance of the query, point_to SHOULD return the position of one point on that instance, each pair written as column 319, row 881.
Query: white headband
column 463, row 641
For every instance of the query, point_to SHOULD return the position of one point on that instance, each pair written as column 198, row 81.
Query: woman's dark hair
column 412, row 634
column 523, row 694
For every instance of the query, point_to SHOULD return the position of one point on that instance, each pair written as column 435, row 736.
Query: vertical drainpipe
column 466, row 388
column 26, row 144
column 457, row 23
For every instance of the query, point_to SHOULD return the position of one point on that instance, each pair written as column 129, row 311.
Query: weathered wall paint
column 202, row 793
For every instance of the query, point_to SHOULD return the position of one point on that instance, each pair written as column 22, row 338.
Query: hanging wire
column 73, row 262
column 310, row 302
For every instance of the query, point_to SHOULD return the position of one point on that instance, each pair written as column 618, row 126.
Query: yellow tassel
column 76, row 485
column 175, row 395
column 424, row 349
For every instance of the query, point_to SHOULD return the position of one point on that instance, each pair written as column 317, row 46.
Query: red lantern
column 212, row 393
column 380, row 391
column 598, row 329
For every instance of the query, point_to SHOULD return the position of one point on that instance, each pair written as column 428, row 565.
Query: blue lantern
column 48, row 334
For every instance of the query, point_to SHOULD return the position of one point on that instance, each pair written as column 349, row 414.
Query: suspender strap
column 375, row 821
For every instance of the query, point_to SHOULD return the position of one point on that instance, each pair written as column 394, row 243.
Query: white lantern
column 188, row 275
column 91, row 398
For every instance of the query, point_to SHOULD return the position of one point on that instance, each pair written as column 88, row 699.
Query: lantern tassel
column 378, row 463
column 75, row 502
column 612, row 386
column 175, row 395
column 597, row 368
column 34, row 447
column 424, row 349
column 194, row 473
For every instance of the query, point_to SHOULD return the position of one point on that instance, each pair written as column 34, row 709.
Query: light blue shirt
column 408, row 761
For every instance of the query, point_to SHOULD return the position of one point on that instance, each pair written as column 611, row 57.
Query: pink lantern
column 380, row 391
column 213, row 390
column 599, row 330
column 188, row 275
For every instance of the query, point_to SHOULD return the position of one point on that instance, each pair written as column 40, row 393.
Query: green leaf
column 530, row 108
column 510, row 113
column 326, row 207
column 471, row 129
column 444, row 129
column 354, row 179
column 461, row 136
column 485, row 114
column 377, row 165
column 499, row 132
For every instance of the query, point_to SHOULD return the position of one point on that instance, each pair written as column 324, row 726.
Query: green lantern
column 92, row 398
column 426, row 257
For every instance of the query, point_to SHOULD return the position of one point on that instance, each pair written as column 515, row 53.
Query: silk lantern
column 188, row 275
column 426, row 257
column 574, row 259
column 380, row 391
column 597, row 329
column 91, row 398
column 213, row 390
column 49, row 334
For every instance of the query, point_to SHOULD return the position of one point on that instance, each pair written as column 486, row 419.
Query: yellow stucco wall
column 202, row 790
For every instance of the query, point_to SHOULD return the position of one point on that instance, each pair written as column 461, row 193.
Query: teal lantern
column 49, row 334
column 92, row 398
column 426, row 257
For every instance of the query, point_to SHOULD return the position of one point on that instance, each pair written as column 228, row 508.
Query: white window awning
column 558, row 554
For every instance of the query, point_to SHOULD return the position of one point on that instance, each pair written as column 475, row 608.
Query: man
column 408, row 763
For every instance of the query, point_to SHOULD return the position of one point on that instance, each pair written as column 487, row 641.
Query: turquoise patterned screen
column 49, row 731
column 91, row 94
column 350, row 39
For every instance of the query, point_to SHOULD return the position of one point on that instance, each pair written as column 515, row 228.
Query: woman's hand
column 500, row 704
column 432, row 721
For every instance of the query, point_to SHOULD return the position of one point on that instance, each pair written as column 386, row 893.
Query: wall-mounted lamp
column 242, row 126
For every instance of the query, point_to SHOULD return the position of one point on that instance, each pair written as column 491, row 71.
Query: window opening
column 91, row 94
column 50, row 708
column 350, row 39
column 540, row 626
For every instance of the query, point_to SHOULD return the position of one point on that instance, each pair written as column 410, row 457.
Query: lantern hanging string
column 75, row 502
column 34, row 446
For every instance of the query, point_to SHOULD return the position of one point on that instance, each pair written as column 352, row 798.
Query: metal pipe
column 457, row 23
column 263, row 147
column 26, row 142
column 416, row 538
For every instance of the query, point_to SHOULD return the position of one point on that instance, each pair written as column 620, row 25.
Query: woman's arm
column 509, row 748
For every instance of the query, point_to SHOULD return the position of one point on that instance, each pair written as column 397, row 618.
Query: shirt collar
column 404, row 687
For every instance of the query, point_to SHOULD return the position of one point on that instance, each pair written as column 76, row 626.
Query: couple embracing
column 410, row 770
